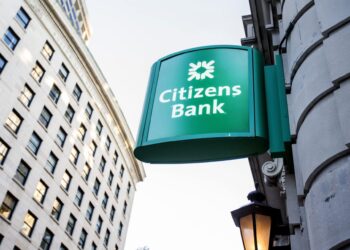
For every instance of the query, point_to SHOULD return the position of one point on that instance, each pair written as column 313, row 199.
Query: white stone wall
column 48, row 23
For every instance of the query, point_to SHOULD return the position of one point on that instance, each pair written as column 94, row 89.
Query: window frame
column 4, row 151
column 49, row 166
column 11, row 207
column 11, row 38
column 44, row 244
column 67, row 183
column 37, row 145
column 24, row 99
column 63, row 72
column 77, row 92
column 3, row 62
column 79, row 196
column 59, row 140
column 69, row 114
column 12, row 125
column 71, row 223
column 45, row 117
column 19, row 175
column 45, row 52
column 38, row 195
column 57, row 210
column 23, row 23
column 55, row 93
column 38, row 76
column 30, row 226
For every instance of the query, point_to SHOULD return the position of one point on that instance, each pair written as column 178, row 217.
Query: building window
column 34, row 143
column 23, row 18
column 96, row 187
column 4, row 150
column 11, row 38
column 66, row 179
column 102, row 164
column 82, row 132
column 99, row 127
column 99, row 225
column 110, row 178
column 63, row 72
column 112, row 213
column 120, row 229
column 115, row 157
column 129, row 187
column 93, row 246
column 40, row 192
column 55, row 93
column 90, row 211
column 45, row 117
column 106, row 238
column 61, row 137
column 121, row 172
column 89, row 110
column 3, row 63
column 22, row 172
column 28, row 224
column 8, row 206
column 69, row 114
column 74, row 155
column 38, row 72
column 63, row 247
column 105, row 200
column 77, row 92
column 93, row 148
column 46, row 240
column 14, row 121
column 79, row 197
column 51, row 162
column 47, row 51
column 57, row 209
column 108, row 143
column 27, row 95
column 86, row 172
column 117, row 191
column 125, row 207
column 71, row 224
column 82, row 238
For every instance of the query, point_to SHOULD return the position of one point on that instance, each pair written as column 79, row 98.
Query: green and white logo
column 201, row 70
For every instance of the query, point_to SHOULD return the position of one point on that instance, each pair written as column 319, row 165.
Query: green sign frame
column 211, row 137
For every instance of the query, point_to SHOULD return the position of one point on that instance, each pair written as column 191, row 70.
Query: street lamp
column 256, row 221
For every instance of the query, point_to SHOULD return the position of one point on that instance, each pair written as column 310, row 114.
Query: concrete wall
column 317, row 67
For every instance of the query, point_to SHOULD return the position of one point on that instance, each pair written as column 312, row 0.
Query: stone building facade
column 67, row 171
column 312, row 190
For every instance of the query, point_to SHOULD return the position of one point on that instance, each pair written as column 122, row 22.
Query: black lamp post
column 256, row 221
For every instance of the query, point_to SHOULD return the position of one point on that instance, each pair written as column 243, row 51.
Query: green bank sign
column 204, row 104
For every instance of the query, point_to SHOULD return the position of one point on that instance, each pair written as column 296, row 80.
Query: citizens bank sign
column 204, row 104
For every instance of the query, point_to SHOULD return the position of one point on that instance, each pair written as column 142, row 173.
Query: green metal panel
column 204, row 104
column 277, row 110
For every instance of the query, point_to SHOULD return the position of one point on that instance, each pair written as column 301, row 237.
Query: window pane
column 28, row 224
column 34, row 143
column 40, row 192
column 22, row 172
column 46, row 240
column 45, row 117
column 38, row 72
column 69, row 114
column 55, row 93
column 4, row 149
column 57, row 208
column 11, row 38
column 14, row 121
column 77, row 92
column 3, row 63
column 65, row 182
column 23, row 18
column 47, row 51
column 61, row 137
column 63, row 72
column 27, row 95
column 8, row 206
column 51, row 162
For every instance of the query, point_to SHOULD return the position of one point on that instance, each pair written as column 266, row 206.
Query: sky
column 183, row 206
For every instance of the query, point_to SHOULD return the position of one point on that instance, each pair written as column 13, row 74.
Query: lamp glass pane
column 263, row 227
column 247, row 231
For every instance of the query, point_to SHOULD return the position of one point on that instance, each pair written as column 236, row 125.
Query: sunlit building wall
column 67, row 172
